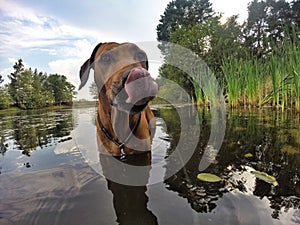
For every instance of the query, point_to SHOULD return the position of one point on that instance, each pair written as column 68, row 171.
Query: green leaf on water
column 248, row 155
column 265, row 177
column 208, row 177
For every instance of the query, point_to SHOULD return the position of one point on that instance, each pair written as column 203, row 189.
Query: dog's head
column 121, row 71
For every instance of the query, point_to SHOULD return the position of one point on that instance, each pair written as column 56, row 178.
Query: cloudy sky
column 57, row 36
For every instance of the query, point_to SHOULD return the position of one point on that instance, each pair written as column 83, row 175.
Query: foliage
column 171, row 92
column 272, row 80
column 255, row 62
column 93, row 90
column 32, row 89
column 61, row 89
column 182, row 13
column 178, row 23
column 268, row 23
column 208, row 177
column 5, row 99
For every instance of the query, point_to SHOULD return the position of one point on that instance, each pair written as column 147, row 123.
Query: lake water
column 51, row 172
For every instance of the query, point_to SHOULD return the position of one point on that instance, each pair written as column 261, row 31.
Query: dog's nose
column 139, row 86
column 124, row 77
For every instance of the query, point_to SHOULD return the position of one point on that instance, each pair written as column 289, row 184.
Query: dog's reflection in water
column 130, row 202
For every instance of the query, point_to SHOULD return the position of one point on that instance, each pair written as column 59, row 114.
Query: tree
column 182, row 13
column 41, row 96
column 62, row 91
column 179, row 17
column 211, row 41
column 268, row 23
column 295, row 8
column 15, row 82
column 225, row 41
column 25, row 90
column 5, row 99
column 93, row 90
column 32, row 89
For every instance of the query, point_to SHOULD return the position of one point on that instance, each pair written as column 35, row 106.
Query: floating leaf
column 248, row 155
column 208, row 177
column 265, row 177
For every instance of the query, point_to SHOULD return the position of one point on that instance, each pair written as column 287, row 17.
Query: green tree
column 5, row 99
column 15, row 82
column 212, row 41
column 182, row 13
column 295, row 8
column 93, row 90
column 30, row 91
column 25, row 90
column 181, row 16
column 268, row 23
column 62, row 91
column 41, row 96
column 225, row 41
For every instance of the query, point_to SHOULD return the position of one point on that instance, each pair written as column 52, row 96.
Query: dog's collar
column 116, row 141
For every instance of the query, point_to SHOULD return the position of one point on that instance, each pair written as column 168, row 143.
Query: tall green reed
column 231, row 74
column 272, row 80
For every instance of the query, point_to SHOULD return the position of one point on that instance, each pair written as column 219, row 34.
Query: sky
column 57, row 36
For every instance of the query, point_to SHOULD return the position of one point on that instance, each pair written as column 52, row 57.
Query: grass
column 9, row 110
column 273, row 80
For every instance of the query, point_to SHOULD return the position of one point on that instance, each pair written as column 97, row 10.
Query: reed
column 297, row 90
column 273, row 80
column 231, row 72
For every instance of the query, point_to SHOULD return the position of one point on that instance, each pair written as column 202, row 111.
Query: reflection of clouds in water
column 159, row 151
column 84, row 136
column 160, row 142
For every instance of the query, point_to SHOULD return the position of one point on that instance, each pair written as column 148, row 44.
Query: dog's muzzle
column 138, row 88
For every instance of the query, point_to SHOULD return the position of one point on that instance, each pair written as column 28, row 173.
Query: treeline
column 30, row 89
column 256, row 63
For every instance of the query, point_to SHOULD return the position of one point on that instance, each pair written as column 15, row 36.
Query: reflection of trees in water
column 261, row 134
column 130, row 202
column 32, row 129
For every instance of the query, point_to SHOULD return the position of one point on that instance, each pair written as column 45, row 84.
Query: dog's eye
column 105, row 59
column 141, row 56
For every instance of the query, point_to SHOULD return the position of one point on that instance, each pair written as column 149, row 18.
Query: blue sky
column 57, row 36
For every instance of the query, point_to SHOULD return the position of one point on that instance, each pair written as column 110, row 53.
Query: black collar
column 121, row 145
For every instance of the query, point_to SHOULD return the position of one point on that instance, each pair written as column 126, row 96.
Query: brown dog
column 125, row 122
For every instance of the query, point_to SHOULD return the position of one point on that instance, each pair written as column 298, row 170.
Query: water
column 51, row 172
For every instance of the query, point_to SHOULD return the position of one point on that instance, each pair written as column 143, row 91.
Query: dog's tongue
column 140, row 87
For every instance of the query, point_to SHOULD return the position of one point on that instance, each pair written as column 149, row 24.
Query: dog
column 125, row 123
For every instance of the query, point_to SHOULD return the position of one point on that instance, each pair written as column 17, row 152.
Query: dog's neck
column 118, row 123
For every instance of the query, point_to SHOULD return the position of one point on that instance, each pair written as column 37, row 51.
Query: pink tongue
column 140, row 87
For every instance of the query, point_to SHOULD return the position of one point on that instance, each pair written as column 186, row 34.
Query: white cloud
column 7, row 71
column 68, row 67
column 50, row 51
column 24, row 29
column 12, row 60
column 11, row 9
column 4, row 72
column 80, row 49
column 232, row 7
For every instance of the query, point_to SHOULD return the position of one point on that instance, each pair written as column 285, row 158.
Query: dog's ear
column 86, row 67
column 147, row 64
column 84, row 73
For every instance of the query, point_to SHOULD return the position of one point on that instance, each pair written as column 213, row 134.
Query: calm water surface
column 50, row 172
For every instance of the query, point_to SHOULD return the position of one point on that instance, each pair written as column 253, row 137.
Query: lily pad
column 208, row 177
column 265, row 177
column 248, row 155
